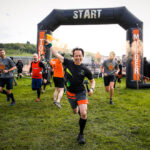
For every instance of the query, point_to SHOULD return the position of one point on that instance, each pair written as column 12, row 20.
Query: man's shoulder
column 83, row 66
column 105, row 61
column 68, row 61
column 6, row 58
column 41, row 63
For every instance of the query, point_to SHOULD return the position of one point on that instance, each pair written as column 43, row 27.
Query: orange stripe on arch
column 41, row 43
column 85, row 101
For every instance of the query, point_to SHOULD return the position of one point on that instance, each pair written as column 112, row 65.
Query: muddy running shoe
column 81, row 139
column 58, row 104
column 12, row 103
column 37, row 100
column 111, row 102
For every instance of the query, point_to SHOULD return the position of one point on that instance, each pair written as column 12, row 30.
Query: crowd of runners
column 68, row 73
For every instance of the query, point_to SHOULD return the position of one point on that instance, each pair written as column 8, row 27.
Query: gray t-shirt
column 110, row 66
column 8, row 63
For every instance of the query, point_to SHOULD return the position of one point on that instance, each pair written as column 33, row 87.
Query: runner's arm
column 13, row 68
column 30, row 70
column 54, row 51
column 9, row 70
column 92, row 82
column 102, row 69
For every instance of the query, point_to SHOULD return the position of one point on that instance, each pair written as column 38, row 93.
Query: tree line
column 19, row 47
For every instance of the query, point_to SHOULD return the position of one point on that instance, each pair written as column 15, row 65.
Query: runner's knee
column 111, row 87
column 107, row 89
column 84, row 114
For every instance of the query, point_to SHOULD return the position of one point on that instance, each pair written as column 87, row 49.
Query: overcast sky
column 19, row 19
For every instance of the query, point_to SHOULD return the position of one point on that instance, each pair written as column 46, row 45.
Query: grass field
column 42, row 126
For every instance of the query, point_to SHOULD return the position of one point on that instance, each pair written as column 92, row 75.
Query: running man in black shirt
column 76, row 93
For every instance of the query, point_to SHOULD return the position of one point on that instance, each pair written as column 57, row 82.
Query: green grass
column 41, row 126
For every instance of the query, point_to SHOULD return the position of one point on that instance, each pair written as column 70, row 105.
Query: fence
column 25, row 60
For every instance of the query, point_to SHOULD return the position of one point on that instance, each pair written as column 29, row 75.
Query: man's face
column 2, row 53
column 42, row 57
column 35, row 57
column 78, row 57
column 111, row 56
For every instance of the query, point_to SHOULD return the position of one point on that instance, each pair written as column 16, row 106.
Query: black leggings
column 38, row 92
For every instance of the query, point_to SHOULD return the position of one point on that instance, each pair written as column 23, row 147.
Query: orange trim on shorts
column 85, row 101
column 71, row 97
column 70, row 94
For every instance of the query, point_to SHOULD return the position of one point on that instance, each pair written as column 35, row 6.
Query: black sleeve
column 89, row 74
column 67, row 62
column 42, row 66
column 30, row 68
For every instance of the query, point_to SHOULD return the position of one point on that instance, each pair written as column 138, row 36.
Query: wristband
column 49, row 45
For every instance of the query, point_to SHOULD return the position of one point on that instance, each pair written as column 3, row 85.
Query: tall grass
column 42, row 126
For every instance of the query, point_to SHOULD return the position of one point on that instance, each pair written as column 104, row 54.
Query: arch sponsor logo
column 136, row 50
column 41, row 43
column 87, row 14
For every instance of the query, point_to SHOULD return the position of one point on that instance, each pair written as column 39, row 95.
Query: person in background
column 119, row 76
column 76, row 93
column 36, row 72
column 6, row 77
column 19, row 66
column 44, row 73
column 110, row 70
column 58, row 78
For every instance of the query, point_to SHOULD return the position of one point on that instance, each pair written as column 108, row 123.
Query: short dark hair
column 77, row 49
column 1, row 49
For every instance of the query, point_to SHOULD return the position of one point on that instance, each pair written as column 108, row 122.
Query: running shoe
column 12, row 103
column 111, row 102
column 54, row 103
column 58, row 104
column 81, row 139
column 37, row 100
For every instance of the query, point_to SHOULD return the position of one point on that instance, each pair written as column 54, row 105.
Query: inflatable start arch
column 118, row 15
